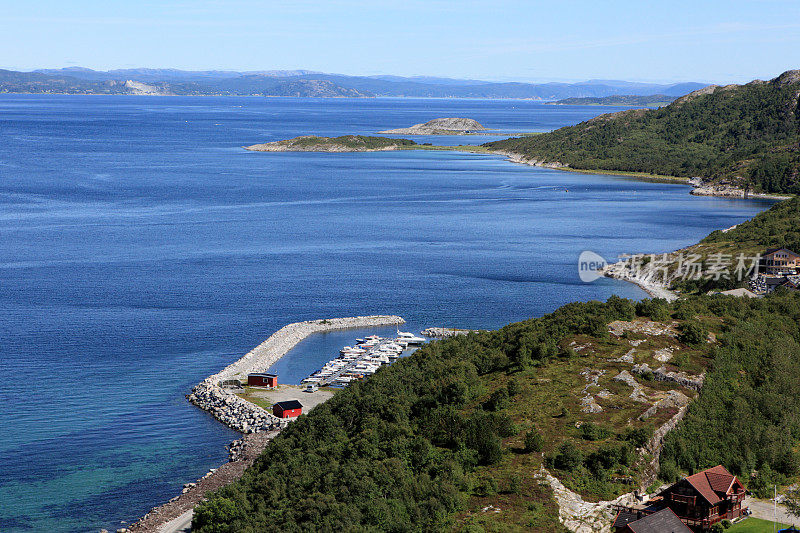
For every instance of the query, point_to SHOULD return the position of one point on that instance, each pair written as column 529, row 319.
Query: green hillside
column 619, row 99
column 777, row 227
column 746, row 135
column 430, row 442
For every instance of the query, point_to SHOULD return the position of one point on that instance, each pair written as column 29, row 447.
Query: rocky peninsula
column 345, row 143
column 441, row 126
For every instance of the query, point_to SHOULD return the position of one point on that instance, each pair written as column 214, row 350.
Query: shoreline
column 655, row 291
column 257, row 425
column 698, row 189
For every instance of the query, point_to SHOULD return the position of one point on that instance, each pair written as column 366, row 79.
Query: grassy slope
column 394, row 425
column 745, row 134
column 431, row 441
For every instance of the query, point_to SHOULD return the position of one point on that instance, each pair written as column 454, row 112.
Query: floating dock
column 362, row 360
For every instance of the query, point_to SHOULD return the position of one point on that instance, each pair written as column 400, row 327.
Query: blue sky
column 715, row 41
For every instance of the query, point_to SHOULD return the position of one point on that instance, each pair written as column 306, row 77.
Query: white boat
column 409, row 338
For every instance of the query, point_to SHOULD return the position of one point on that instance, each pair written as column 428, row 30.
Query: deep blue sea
column 142, row 249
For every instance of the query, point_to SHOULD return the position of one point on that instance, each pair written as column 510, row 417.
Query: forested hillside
column 620, row 99
column 429, row 442
column 748, row 416
column 747, row 135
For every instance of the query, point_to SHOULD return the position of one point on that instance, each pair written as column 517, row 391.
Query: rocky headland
column 441, row 126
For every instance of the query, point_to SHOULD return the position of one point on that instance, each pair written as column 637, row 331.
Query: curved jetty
column 241, row 415
column 440, row 126
column 258, row 425
column 268, row 352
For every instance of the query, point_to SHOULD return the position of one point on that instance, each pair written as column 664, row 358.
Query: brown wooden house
column 779, row 261
column 706, row 498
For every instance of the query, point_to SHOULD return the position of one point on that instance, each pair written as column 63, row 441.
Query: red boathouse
column 260, row 379
column 287, row 409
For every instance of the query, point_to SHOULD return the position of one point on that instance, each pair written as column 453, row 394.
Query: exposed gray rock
column 440, row 126
column 627, row 358
column 683, row 379
column 638, row 393
column 674, row 399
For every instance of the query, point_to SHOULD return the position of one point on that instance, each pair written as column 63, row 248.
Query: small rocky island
column 345, row 143
column 441, row 126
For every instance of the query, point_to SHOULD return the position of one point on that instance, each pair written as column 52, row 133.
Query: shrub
column 568, row 457
column 497, row 401
column 638, row 437
column 590, row 431
column 534, row 442
column 693, row 333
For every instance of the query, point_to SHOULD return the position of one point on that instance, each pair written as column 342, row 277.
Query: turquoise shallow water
column 141, row 249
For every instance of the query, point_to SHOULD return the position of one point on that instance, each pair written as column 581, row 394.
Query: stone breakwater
column 247, row 417
column 231, row 410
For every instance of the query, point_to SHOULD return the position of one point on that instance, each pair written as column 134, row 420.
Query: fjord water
column 141, row 249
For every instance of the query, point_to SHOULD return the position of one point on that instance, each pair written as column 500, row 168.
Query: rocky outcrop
column 683, row 379
column 647, row 279
column 638, row 393
column 653, row 447
column 440, row 126
column 144, row 89
column 731, row 191
column 673, row 400
column 578, row 515
column 441, row 333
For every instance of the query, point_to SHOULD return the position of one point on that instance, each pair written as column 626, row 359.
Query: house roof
column 773, row 250
column 264, row 374
column 624, row 518
column 712, row 483
column 664, row 521
column 289, row 404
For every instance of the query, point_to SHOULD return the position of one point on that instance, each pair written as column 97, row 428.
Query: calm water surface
column 141, row 249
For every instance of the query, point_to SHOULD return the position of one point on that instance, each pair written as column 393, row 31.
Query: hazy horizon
column 715, row 41
column 509, row 79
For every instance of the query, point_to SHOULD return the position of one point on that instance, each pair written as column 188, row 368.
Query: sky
column 564, row 40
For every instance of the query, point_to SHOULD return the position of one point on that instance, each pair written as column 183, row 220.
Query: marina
column 361, row 360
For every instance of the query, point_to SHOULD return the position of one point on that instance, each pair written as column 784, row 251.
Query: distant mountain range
column 306, row 83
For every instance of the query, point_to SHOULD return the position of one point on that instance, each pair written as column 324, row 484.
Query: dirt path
column 764, row 509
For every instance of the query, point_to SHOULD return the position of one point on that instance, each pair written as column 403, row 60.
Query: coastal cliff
column 345, row 143
column 440, row 126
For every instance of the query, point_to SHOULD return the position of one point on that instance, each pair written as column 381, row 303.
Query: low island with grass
column 345, row 143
